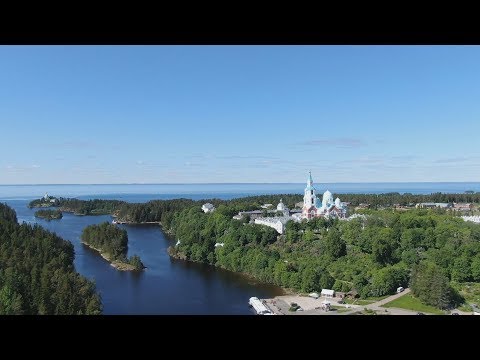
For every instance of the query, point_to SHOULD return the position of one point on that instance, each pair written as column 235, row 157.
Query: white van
column 400, row 289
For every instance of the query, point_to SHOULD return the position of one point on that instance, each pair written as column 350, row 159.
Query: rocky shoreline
column 119, row 265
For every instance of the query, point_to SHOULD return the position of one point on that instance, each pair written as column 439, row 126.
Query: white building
column 208, row 207
column 277, row 222
column 475, row 218
column 297, row 217
column 433, row 205
column 328, row 293
column 282, row 207
column 313, row 207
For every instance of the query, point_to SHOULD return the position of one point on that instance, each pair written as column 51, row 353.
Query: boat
column 259, row 306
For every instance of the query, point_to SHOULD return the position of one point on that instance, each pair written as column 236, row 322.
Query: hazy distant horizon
column 224, row 190
column 252, row 183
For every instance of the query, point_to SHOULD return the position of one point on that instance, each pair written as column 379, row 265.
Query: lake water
column 223, row 191
column 172, row 286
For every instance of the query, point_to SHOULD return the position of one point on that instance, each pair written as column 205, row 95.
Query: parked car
column 420, row 313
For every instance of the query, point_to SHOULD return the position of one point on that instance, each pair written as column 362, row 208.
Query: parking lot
column 310, row 306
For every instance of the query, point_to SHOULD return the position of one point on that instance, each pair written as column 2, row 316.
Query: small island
column 112, row 244
column 45, row 201
column 48, row 214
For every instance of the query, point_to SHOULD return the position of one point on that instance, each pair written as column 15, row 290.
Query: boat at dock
column 118, row 222
column 259, row 306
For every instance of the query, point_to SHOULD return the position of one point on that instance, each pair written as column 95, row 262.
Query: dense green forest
column 373, row 255
column 37, row 275
column 89, row 207
column 81, row 207
column 112, row 242
column 162, row 210
column 49, row 214
column 430, row 250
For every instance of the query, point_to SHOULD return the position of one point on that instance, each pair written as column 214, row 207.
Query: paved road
column 396, row 311
column 377, row 306
column 390, row 298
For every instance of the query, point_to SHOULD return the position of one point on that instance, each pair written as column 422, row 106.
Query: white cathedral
column 313, row 207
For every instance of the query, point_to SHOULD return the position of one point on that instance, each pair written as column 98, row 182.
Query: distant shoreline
column 255, row 183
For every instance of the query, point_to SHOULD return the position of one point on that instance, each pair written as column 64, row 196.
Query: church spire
column 310, row 181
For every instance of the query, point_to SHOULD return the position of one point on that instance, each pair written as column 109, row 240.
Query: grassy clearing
column 410, row 303
column 366, row 301
column 359, row 301
column 377, row 298
column 465, row 308
column 339, row 309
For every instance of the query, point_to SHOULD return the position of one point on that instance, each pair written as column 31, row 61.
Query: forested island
column 432, row 251
column 112, row 244
column 37, row 275
column 46, row 201
column 48, row 214
column 80, row 207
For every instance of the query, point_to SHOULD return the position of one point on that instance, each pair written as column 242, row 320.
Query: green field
column 410, row 303
column 339, row 309
column 465, row 308
column 366, row 301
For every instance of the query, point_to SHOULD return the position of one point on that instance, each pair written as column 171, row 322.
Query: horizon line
column 249, row 183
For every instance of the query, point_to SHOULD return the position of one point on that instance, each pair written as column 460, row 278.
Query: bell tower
column 309, row 196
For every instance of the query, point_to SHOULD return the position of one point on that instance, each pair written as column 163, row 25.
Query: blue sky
column 194, row 114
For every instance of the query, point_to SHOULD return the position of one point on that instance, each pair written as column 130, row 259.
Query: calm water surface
column 166, row 287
